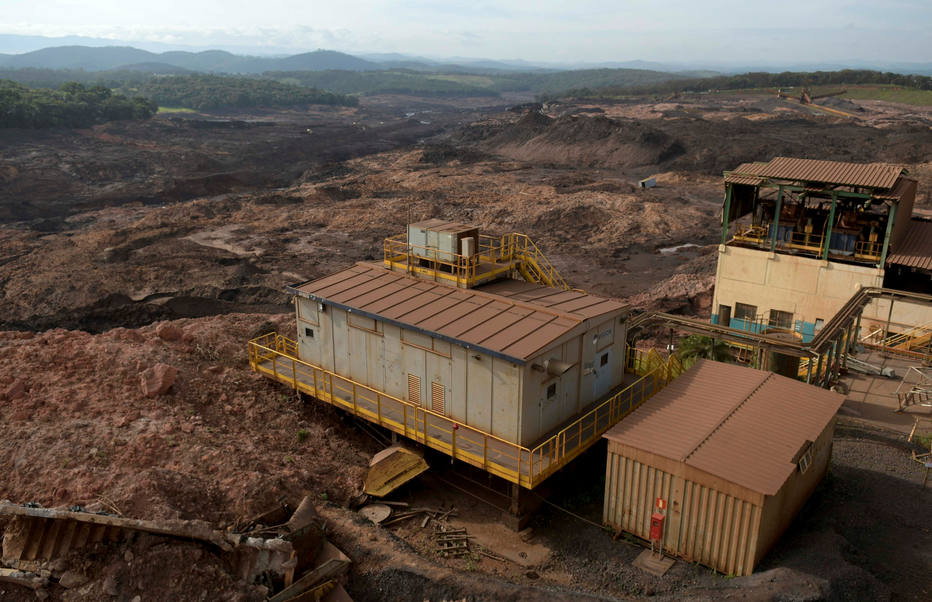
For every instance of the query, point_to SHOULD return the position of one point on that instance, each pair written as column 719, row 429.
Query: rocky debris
column 15, row 390
column 169, row 332
column 71, row 579
column 157, row 380
column 39, row 543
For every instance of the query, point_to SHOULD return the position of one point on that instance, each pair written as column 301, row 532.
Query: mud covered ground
column 105, row 234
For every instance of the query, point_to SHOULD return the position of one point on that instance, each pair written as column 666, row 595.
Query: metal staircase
column 532, row 264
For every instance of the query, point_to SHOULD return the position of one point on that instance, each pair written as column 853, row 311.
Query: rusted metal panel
column 866, row 175
column 739, row 424
column 915, row 249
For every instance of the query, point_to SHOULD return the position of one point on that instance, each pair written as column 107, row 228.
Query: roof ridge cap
column 727, row 416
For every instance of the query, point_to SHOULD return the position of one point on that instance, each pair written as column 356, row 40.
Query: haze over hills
column 77, row 52
column 220, row 61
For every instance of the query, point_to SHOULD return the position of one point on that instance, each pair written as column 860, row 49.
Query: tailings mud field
column 133, row 253
column 184, row 217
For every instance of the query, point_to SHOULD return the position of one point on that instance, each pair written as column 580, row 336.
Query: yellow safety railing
column 535, row 262
column 803, row 241
column 276, row 356
column 866, row 249
column 496, row 256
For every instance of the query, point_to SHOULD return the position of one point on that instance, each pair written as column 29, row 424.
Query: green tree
column 697, row 346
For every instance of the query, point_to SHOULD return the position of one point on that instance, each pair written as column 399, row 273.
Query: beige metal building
column 512, row 358
column 734, row 451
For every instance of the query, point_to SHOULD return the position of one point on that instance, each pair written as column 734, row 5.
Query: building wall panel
column 340, row 341
column 393, row 367
column 505, row 400
column 415, row 362
column 479, row 391
column 456, row 405
column 703, row 524
column 780, row 509
column 807, row 287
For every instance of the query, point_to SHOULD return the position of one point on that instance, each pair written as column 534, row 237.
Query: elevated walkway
column 493, row 259
column 276, row 357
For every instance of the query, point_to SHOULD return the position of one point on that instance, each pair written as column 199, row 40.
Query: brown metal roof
column 509, row 318
column 739, row 424
column 442, row 225
column 867, row 175
column 915, row 250
column 743, row 174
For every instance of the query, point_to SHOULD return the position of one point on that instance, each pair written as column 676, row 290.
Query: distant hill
column 155, row 68
column 78, row 57
column 216, row 61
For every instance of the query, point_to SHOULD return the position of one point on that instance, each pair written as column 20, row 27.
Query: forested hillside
column 73, row 105
column 767, row 80
column 204, row 92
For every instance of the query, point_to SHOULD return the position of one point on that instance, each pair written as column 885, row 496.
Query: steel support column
column 776, row 219
column 886, row 328
column 886, row 237
column 726, row 212
column 828, row 227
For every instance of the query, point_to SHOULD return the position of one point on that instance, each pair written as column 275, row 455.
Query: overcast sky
column 543, row 30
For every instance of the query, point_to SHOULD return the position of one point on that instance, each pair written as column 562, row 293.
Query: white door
column 602, row 373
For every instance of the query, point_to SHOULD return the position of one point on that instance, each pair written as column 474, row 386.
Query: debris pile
column 46, row 549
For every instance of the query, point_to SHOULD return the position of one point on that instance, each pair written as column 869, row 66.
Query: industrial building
column 800, row 237
column 734, row 452
column 469, row 344
column 511, row 358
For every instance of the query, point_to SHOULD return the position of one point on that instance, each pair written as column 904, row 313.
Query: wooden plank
column 328, row 570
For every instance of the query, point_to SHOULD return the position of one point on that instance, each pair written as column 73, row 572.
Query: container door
column 602, row 381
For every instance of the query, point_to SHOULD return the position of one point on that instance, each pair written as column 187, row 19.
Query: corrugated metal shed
column 506, row 319
column 742, row 425
column 915, row 250
column 867, row 175
column 744, row 174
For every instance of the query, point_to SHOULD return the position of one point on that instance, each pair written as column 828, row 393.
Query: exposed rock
column 15, row 390
column 157, row 380
column 169, row 332
column 70, row 579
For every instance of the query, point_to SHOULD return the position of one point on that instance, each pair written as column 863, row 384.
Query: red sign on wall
column 661, row 503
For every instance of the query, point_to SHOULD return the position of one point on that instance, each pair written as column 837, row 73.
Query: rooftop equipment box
column 441, row 240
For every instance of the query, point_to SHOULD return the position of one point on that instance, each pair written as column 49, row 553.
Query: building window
column 744, row 311
column 604, row 360
column 780, row 319
column 551, row 390
column 819, row 323
column 309, row 333
column 805, row 460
